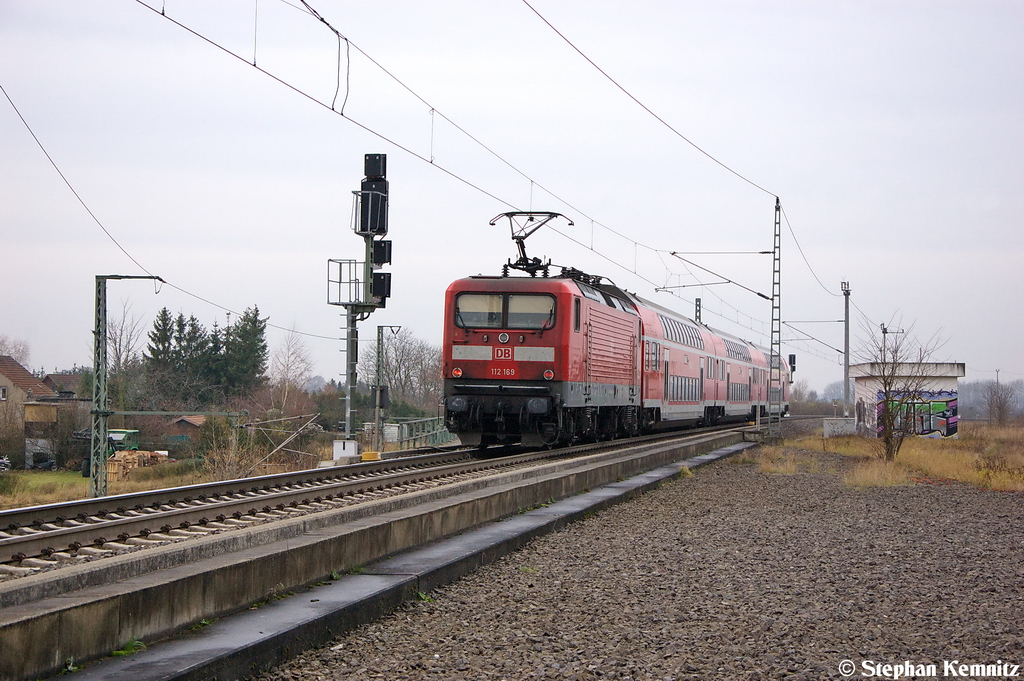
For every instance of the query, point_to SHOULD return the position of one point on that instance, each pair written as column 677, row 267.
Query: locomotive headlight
column 548, row 374
column 457, row 404
column 457, row 372
column 538, row 405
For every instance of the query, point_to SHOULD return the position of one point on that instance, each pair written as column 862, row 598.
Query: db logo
column 502, row 353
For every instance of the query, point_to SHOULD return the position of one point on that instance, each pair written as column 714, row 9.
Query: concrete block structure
column 931, row 411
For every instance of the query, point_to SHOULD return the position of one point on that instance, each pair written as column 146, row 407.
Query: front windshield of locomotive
column 478, row 310
column 531, row 312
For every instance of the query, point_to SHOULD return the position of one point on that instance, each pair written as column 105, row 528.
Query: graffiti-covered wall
column 932, row 414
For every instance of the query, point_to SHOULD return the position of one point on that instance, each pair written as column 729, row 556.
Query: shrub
column 10, row 484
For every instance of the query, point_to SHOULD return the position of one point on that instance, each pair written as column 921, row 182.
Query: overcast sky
column 893, row 133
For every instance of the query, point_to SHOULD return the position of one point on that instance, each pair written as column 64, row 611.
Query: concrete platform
column 254, row 640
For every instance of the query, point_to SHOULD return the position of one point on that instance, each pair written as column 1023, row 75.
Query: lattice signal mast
column 357, row 285
column 775, row 387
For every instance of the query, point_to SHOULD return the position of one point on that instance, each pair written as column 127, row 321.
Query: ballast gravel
column 733, row 573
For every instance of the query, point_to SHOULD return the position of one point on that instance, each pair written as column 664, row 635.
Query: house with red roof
column 18, row 386
column 21, row 409
column 66, row 385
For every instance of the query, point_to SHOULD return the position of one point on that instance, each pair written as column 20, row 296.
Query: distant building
column 30, row 411
column 931, row 412
column 24, row 420
column 65, row 385
column 186, row 428
column 18, row 385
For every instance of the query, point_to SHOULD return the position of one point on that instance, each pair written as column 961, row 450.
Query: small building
column 65, row 385
column 931, row 411
column 185, row 428
column 19, row 391
column 18, row 385
column 25, row 423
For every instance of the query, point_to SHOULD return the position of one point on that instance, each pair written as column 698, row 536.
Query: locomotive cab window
column 531, row 311
column 504, row 311
column 478, row 310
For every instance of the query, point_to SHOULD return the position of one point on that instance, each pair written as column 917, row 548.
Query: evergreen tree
column 192, row 367
column 161, row 341
column 191, row 346
column 245, row 353
column 213, row 369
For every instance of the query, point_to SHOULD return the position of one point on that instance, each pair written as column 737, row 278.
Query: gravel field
column 730, row 574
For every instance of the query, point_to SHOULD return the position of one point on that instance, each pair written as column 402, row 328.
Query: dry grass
column 19, row 488
column 990, row 457
column 35, row 488
column 784, row 461
column 875, row 473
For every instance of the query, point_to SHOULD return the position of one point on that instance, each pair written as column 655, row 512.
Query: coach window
column 478, row 310
column 531, row 311
column 576, row 314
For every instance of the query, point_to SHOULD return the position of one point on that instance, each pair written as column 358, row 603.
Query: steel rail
column 163, row 516
column 200, row 516
column 49, row 513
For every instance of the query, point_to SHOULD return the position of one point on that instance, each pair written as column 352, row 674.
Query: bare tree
column 124, row 336
column 290, row 368
column 900, row 365
column 230, row 453
column 16, row 349
column 834, row 391
column 998, row 400
column 411, row 368
column 124, row 361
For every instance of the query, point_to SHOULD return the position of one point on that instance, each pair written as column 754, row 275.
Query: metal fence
column 420, row 432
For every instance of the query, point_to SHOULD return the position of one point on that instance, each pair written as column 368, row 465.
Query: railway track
column 43, row 537
column 48, row 537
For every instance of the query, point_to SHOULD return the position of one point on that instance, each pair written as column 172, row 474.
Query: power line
column 452, row 174
column 636, row 244
column 806, row 262
column 308, row 9
column 313, row 99
column 644, row 106
column 818, row 340
column 80, row 200
column 680, row 135
column 117, row 243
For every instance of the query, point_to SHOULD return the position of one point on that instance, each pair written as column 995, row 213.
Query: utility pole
column 885, row 332
column 380, row 388
column 99, row 447
column 846, row 350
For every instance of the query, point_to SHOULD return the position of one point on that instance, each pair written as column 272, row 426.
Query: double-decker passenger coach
column 542, row 360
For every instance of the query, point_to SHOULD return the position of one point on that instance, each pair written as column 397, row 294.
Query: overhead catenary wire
column 430, row 160
column 533, row 182
column 801, row 250
column 637, row 245
column 114, row 240
column 313, row 99
column 818, row 340
column 644, row 106
column 68, row 183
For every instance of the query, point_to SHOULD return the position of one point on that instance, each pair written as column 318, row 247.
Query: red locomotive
column 546, row 360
